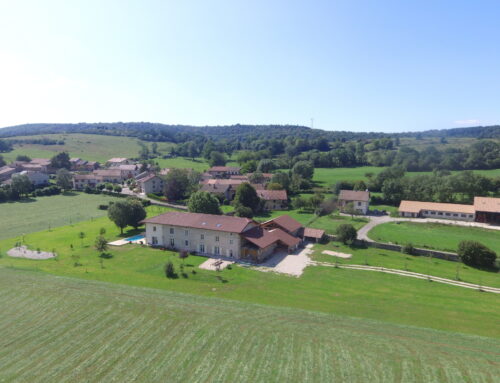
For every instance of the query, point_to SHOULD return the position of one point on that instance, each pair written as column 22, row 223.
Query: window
column 202, row 248
column 154, row 240
column 359, row 203
column 216, row 250
column 186, row 232
column 202, row 236
column 154, row 228
column 440, row 213
column 186, row 243
column 455, row 215
column 171, row 230
column 462, row 215
column 231, row 253
column 230, row 241
column 172, row 242
column 448, row 214
column 216, row 238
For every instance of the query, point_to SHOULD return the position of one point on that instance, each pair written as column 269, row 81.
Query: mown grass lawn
column 325, row 289
column 69, row 330
column 40, row 213
column 434, row 235
column 395, row 260
column 331, row 222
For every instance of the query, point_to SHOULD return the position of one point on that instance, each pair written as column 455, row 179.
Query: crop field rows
column 65, row 330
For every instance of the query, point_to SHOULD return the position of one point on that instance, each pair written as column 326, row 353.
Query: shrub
column 346, row 234
column 170, row 270
column 473, row 253
column 117, row 188
column 408, row 249
column 103, row 207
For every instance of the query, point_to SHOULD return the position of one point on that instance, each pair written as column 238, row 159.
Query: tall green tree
column 246, row 195
column 305, row 169
column 177, row 184
column 217, row 159
column 60, row 160
column 204, row 202
column 21, row 185
column 64, row 179
column 136, row 212
column 118, row 213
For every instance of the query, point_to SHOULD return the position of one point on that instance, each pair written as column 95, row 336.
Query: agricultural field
column 91, row 147
column 323, row 289
column 434, row 235
column 40, row 213
column 54, row 329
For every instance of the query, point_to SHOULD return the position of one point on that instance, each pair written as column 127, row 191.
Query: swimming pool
column 135, row 238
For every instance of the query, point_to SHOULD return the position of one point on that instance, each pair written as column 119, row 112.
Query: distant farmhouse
column 484, row 209
column 360, row 200
column 274, row 199
column 228, row 236
column 223, row 171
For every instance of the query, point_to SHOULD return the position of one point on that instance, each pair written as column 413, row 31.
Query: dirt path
column 412, row 275
column 378, row 220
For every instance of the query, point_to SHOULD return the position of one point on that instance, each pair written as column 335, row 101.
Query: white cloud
column 470, row 122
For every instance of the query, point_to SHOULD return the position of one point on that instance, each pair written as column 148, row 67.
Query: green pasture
column 40, row 213
column 434, row 235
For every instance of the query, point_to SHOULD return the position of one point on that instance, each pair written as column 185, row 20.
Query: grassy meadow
column 434, row 235
column 91, row 147
column 323, row 289
column 67, row 330
column 40, row 213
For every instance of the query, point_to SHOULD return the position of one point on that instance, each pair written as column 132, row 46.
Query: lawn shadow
column 106, row 255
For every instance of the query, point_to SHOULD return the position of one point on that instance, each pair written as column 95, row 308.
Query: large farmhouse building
column 484, row 209
column 220, row 235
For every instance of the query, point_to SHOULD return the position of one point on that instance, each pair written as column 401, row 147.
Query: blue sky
column 350, row 65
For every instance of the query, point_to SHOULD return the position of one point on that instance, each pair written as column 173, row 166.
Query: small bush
column 346, row 233
column 408, row 249
column 473, row 253
column 170, row 270
column 103, row 207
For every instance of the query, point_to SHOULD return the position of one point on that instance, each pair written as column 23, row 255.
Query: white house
column 151, row 184
column 360, row 200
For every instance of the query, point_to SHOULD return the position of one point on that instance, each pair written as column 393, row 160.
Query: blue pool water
column 135, row 238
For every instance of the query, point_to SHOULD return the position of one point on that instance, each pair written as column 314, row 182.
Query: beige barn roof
column 487, row 204
column 354, row 195
column 417, row 206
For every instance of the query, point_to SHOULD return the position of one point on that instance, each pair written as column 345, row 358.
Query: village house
column 109, row 175
column 358, row 198
column 151, row 184
column 117, row 161
column 6, row 172
column 223, row 171
column 77, row 164
column 273, row 199
column 80, row 181
column 128, row 171
column 484, row 209
column 37, row 178
column 220, row 235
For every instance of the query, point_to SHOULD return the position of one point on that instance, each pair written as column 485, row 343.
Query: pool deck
column 124, row 241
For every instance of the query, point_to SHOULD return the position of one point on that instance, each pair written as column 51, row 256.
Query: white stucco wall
column 226, row 241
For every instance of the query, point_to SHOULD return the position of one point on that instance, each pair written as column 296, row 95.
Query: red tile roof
column 313, row 233
column 354, row 195
column 224, row 169
column 263, row 238
column 269, row 195
column 487, row 204
column 202, row 221
column 286, row 222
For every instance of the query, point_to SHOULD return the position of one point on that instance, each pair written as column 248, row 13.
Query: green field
column 330, row 223
column 394, row 260
column 434, row 235
column 324, row 289
column 326, row 177
column 91, row 147
column 199, row 164
column 69, row 330
column 35, row 214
